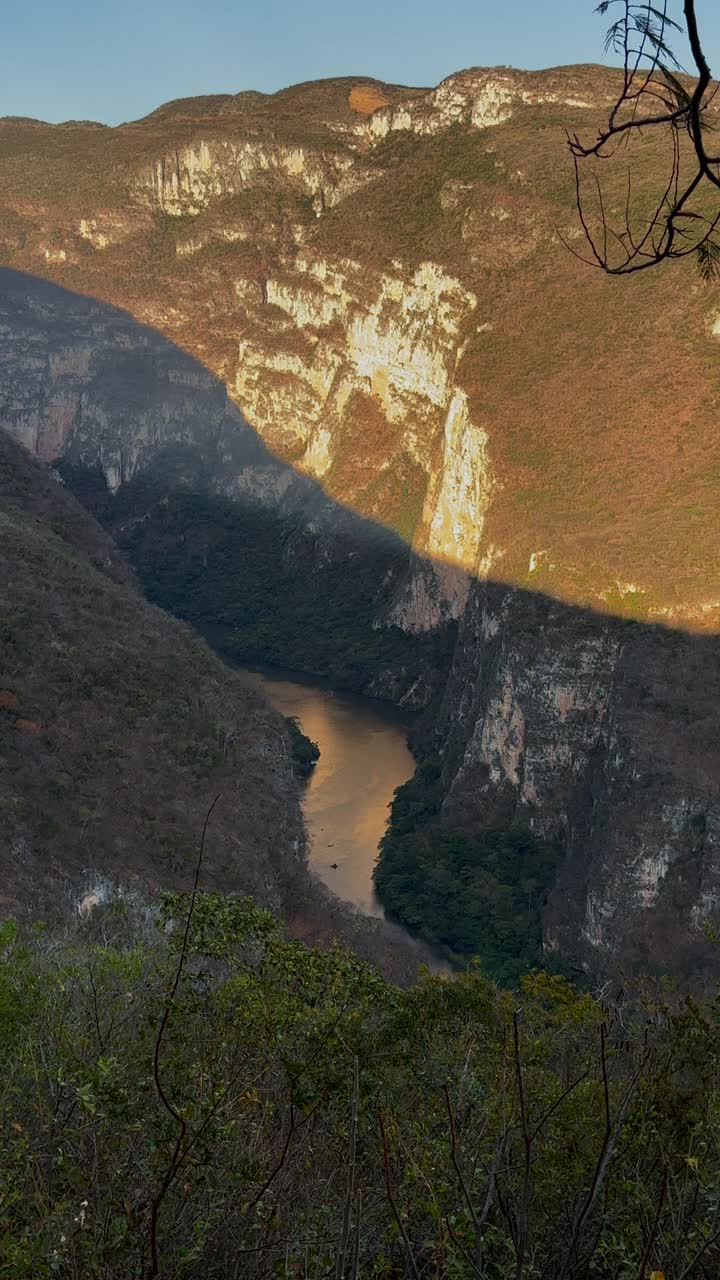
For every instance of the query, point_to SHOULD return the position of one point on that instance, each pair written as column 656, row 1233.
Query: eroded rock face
column 599, row 734
column 392, row 344
column 84, row 382
column 484, row 98
column 191, row 179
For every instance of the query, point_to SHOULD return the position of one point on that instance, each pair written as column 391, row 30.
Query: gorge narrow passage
column 363, row 757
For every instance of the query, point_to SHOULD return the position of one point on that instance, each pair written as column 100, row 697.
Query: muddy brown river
column 363, row 758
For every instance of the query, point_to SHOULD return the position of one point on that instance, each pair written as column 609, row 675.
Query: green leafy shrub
column 215, row 1100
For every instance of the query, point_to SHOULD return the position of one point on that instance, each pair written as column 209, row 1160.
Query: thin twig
column 177, row 1155
column 391, row 1199
column 350, row 1190
column 642, row 1270
column 523, row 1215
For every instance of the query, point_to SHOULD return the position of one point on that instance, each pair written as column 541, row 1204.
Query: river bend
column 363, row 757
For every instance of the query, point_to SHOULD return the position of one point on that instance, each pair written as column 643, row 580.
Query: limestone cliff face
column 350, row 347
column 599, row 734
column 482, row 98
column 87, row 383
column 191, row 179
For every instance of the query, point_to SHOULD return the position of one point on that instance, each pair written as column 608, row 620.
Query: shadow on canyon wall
column 599, row 732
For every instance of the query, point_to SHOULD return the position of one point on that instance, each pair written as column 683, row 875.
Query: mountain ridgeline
column 322, row 367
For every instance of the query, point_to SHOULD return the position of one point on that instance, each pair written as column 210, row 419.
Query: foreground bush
column 209, row 1099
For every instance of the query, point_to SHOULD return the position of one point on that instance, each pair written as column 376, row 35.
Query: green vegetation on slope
column 265, row 589
column 401, row 213
column 305, row 753
column 233, row 572
column 298, row 1117
column 481, row 895
column 118, row 724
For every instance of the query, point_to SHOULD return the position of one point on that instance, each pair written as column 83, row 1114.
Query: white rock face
column 482, row 98
column 493, row 105
column 502, row 736
column 540, row 722
column 434, row 593
column 402, row 341
column 460, row 492
column 394, row 339
column 336, row 332
column 191, row 178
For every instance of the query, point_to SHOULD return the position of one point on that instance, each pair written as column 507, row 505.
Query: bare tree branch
column 678, row 224
column 179, row 1151
column 391, row 1199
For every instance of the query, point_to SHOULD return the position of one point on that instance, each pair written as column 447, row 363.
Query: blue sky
column 115, row 60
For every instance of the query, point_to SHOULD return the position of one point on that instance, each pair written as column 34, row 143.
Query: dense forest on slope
column 471, row 895
column 263, row 588
column 245, row 1106
column 119, row 724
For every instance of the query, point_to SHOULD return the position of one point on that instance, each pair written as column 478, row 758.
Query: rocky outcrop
column 600, row 735
column 391, row 346
column 483, row 98
column 194, row 177
column 86, row 383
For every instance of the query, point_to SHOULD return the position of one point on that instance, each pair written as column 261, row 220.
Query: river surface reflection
column 363, row 757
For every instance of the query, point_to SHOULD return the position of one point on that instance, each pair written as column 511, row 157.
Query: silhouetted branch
column 613, row 1127
column 478, row 1220
column 355, row 1270
column 178, row 1151
column 350, row 1191
column 711, row 1240
column 678, row 225
column 391, row 1200
column 278, row 1166
column 642, row 1270
column 523, row 1213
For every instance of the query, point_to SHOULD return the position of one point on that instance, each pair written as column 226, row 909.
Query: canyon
column 340, row 322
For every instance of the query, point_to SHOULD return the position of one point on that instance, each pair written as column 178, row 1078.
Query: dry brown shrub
column 7, row 699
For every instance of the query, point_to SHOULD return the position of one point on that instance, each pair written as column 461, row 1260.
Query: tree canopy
column 210, row 1099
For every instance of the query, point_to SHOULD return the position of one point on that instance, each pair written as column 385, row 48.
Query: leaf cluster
column 336, row 1125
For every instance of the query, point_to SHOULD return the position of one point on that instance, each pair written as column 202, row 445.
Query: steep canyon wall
column 369, row 323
